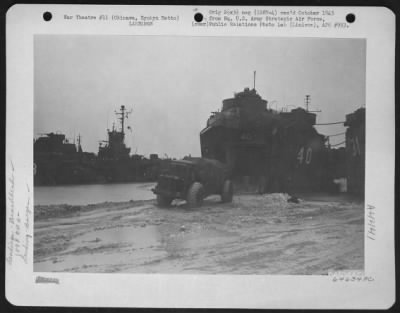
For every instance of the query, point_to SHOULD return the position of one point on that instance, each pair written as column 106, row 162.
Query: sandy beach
column 255, row 234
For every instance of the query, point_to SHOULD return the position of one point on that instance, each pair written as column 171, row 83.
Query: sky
column 172, row 84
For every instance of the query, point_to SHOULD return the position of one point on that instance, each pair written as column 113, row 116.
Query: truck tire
column 227, row 191
column 195, row 195
column 163, row 201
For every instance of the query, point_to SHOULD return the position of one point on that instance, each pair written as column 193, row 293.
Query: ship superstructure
column 114, row 148
column 282, row 150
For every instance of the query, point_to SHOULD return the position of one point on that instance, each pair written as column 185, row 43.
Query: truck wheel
column 227, row 191
column 195, row 195
column 163, row 201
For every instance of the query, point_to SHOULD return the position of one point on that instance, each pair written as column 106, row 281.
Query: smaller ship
column 115, row 162
column 114, row 148
column 58, row 161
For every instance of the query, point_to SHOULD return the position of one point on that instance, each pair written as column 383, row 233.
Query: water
column 91, row 194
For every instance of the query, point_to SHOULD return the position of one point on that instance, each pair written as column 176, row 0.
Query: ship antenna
column 79, row 143
column 307, row 101
column 122, row 118
column 254, row 80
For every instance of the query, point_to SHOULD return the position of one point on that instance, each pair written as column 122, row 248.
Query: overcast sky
column 173, row 83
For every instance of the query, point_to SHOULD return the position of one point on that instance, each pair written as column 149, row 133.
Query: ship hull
column 291, row 162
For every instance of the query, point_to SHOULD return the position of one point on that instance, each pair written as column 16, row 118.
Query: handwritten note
column 19, row 222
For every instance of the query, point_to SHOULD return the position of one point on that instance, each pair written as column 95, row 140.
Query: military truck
column 193, row 179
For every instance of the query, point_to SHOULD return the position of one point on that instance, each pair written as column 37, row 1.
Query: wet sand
column 256, row 234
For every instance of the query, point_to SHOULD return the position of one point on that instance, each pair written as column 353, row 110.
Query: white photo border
column 375, row 24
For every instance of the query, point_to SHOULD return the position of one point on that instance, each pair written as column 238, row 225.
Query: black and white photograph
column 199, row 155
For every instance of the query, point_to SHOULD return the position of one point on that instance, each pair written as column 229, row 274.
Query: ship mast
column 79, row 143
column 307, row 102
column 122, row 115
